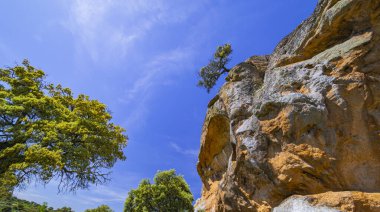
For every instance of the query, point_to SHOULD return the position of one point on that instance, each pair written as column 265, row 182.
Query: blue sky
column 140, row 57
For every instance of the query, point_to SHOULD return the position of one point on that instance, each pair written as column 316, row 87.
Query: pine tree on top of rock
column 210, row 73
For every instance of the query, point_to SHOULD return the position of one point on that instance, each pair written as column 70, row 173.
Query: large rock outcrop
column 302, row 121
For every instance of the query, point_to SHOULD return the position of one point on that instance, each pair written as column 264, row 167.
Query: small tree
column 210, row 74
column 102, row 208
column 170, row 192
column 46, row 132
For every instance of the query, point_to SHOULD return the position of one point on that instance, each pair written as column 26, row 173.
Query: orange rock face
column 304, row 120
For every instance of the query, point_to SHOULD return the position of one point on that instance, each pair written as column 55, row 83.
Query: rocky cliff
column 296, row 128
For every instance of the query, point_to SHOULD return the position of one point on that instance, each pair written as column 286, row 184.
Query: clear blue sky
column 140, row 57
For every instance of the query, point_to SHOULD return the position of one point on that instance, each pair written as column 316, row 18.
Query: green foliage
column 14, row 204
column 46, row 132
column 170, row 192
column 210, row 74
column 64, row 209
column 43, row 207
column 102, row 208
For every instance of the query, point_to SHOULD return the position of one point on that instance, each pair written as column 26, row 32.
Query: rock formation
column 332, row 202
column 302, row 121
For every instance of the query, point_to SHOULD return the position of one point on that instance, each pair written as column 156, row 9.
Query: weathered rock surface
column 331, row 202
column 304, row 120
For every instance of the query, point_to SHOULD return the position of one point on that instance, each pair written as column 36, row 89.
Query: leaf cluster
column 46, row 132
column 210, row 73
column 170, row 192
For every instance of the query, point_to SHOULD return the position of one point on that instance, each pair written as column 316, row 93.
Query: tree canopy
column 46, row 133
column 14, row 204
column 210, row 73
column 170, row 192
column 102, row 208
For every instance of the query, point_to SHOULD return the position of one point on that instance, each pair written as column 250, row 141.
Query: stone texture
column 331, row 202
column 304, row 120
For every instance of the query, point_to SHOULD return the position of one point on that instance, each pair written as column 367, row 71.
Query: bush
column 102, row 208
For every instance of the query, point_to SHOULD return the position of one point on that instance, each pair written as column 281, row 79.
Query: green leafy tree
column 7, row 209
column 46, row 133
column 102, row 208
column 43, row 207
column 18, row 206
column 14, row 204
column 170, row 192
column 65, row 209
column 210, row 73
